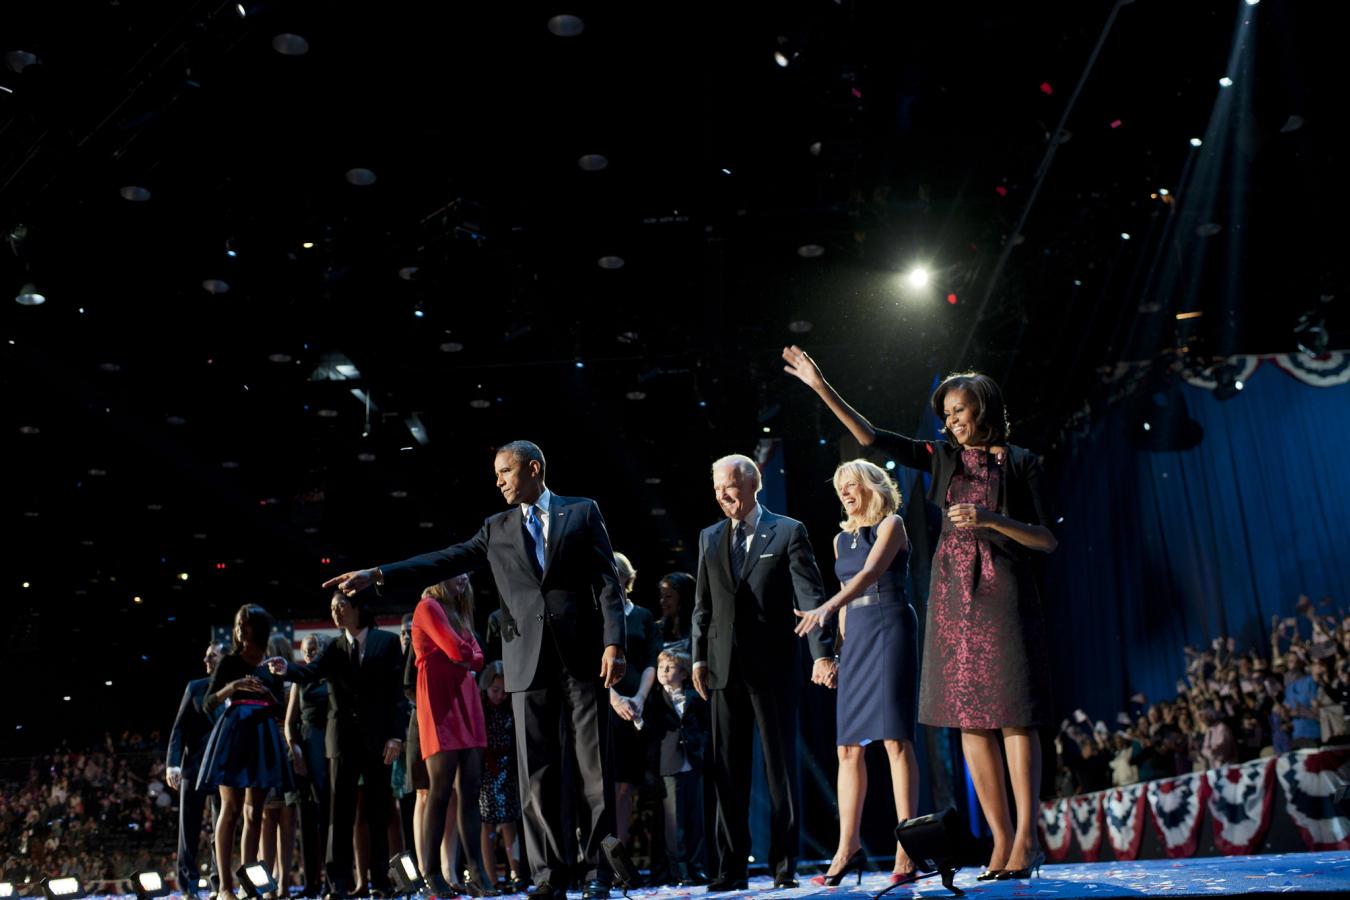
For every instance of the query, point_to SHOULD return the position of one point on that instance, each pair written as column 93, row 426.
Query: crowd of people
column 98, row 814
column 368, row 731
column 1229, row 708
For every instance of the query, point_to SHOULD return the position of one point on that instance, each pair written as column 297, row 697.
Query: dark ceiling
column 155, row 428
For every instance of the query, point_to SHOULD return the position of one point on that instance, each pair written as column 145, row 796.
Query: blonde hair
column 627, row 574
column 679, row 657
column 883, row 497
column 458, row 608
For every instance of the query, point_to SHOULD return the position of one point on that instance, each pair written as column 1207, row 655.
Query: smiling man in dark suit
column 367, row 720
column 187, row 743
column 754, row 569
column 561, row 611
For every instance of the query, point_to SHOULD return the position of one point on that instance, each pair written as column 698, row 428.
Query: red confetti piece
column 1115, row 124
column 1045, row 88
column 857, row 93
column 951, row 298
column 1002, row 191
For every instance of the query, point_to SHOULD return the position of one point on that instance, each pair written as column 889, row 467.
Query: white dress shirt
column 541, row 505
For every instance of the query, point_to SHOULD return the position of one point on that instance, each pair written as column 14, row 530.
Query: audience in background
column 1229, row 709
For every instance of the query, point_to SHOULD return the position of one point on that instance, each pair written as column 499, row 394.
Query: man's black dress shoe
column 729, row 883
column 595, row 890
column 546, row 891
column 784, row 882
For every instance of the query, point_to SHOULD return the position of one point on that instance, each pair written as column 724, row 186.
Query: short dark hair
column 524, row 451
column 362, row 606
column 990, row 416
column 259, row 622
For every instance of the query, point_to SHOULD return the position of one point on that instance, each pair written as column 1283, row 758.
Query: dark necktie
column 738, row 553
column 356, row 655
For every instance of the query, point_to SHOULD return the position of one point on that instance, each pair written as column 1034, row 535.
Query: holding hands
column 628, row 708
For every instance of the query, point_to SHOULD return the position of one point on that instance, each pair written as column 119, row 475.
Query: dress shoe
column 694, row 879
column 595, row 890
column 517, row 886
column 473, row 889
column 785, row 882
column 1035, row 865
column 728, row 883
column 855, row 863
column 546, row 891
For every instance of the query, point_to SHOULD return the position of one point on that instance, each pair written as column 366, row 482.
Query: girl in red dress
column 451, row 728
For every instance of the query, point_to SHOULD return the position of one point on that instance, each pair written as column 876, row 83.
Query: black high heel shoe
column 439, row 889
column 989, row 875
column 1035, row 866
column 857, row 861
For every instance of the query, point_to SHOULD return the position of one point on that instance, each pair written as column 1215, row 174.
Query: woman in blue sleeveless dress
column 879, row 659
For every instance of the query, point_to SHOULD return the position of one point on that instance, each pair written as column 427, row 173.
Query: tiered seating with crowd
column 98, row 814
column 1229, row 708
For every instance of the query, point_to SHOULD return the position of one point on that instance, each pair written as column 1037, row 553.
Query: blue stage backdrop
column 1159, row 550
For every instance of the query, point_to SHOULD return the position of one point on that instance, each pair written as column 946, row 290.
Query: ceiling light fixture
column 360, row 177
column 610, row 262
column 290, row 45
column 215, row 286
column 135, row 194
column 810, row 251
column 29, row 296
column 593, row 162
column 566, row 26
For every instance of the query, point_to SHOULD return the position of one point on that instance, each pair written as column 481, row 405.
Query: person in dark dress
column 628, row 699
column 499, row 797
column 879, row 659
column 306, row 726
column 985, row 665
column 677, row 611
column 245, row 756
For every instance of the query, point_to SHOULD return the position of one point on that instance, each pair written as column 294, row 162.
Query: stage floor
column 1296, row 873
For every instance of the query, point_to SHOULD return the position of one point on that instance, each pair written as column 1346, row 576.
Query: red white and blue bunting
column 1055, row 829
column 1326, row 371
column 1309, row 778
column 1124, row 809
column 1087, row 819
column 1240, row 802
column 1178, row 806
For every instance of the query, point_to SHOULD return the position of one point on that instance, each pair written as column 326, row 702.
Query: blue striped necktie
column 738, row 553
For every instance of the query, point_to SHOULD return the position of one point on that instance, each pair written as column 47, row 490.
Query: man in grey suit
column 561, row 613
column 754, row 569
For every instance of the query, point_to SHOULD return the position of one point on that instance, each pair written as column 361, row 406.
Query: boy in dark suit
column 681, row 766
column 187, row 742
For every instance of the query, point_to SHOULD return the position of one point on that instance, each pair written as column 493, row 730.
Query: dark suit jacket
column 366, row 706
column 579, row 595
column 1025, row 497
column 780, row 575
column 685, row 735
column 191, row 729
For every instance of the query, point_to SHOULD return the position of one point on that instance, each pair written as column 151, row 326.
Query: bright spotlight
column 1225, row 81
column 1196, row 142
column 779, row 58
column 1163, row 191
column 1238, row 384
column 918, row 277
column 1253, row 2
column 1124, row 235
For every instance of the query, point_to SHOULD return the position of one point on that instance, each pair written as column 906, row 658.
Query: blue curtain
column 1162, row 550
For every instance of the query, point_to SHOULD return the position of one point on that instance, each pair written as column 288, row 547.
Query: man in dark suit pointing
column 754, row 569
column 187, row 743
column 561, row 610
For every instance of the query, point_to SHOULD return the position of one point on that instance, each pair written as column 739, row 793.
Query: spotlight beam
column 1041, row 172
